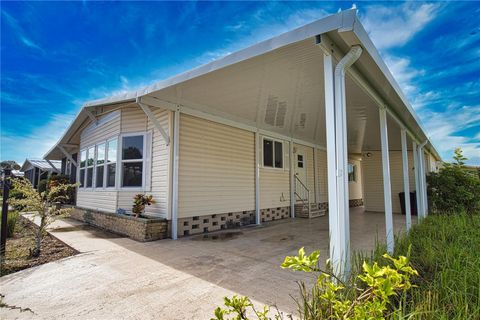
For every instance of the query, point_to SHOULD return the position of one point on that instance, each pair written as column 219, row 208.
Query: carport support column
column 292, row 179
column 337, row 159
column 387, row 191
column 416, row 165
column 257, row 179
column 176, row 137
column 406, row 182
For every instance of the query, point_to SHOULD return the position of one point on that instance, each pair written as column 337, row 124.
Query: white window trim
column 88, row 167
column 283, row 153
column 120, row 161
column 354, row 173
column 97, row 165
column 146, row 164
column 82, row 186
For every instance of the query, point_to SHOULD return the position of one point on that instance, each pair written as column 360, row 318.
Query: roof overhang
column 285, row 71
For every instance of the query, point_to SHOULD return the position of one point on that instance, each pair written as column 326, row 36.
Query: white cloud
column 36, row 143
column 13, row 23
column 403, row 72
column 394, row 26
column 444, row 127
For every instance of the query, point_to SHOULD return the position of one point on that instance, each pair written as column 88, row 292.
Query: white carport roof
column 277, row 85
column 41, row 164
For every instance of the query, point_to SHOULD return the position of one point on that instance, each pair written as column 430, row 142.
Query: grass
column 445, row 250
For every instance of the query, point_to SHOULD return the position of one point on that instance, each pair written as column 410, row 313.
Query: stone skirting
column 139, row 229
column 355, row 202
column 214, row 222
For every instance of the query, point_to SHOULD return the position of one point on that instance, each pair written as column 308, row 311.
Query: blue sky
column 57, row 55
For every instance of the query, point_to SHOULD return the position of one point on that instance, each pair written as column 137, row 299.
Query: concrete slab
column 118, row 278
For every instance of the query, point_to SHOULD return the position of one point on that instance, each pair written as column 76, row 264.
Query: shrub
column 11, row 223
column 41, row 204
column 454, row 188
column 139, row 203
column 370, row 295
column 42, row 185
column 68, row 195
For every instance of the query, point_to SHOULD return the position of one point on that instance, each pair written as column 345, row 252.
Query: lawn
column 18, row 248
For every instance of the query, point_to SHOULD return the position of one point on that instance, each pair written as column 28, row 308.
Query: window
column 272, row 153
column 90, row 165
column 83, row 163
column 300, row 161
column 111, row 162
column 352, row 172
column 132, row 161
column 100, row 165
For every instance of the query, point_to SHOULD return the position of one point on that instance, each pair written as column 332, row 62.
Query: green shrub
column 454, row 189
column 42, row 185
column 11, row 223
column 370, row 295
column 68, row 195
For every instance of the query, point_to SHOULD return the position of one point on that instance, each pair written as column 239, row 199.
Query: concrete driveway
column 118, row 278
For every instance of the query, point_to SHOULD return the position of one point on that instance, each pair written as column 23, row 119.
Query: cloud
column 37, row 142
column 394, row 26
column 444, row 130
column 403, row 72
column 20, row 33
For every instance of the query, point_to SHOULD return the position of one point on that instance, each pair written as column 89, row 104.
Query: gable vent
column 276, row 112
column 301, row 121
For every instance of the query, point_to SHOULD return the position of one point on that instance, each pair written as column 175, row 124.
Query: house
column 292, row 126
column 37, row 169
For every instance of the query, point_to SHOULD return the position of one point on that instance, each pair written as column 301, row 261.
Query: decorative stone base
column 272, row 214
column 355, row 202
column 139, row 229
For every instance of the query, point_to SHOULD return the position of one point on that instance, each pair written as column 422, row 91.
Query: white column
column 292, row 179
column 421, row 180
column 424, row 176
column 257, row 179
column 406, row 182
column 336, row 249
column 387, row 191
column 416, row 166
column 176, row 142
column 315, row 175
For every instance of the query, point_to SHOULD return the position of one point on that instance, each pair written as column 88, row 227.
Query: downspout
column 341, row 151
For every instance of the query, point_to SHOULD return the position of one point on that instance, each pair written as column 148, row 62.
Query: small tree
column 454, row 189
column 42, row 205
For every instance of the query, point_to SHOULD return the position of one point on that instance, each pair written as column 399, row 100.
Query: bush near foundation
column 454, row 189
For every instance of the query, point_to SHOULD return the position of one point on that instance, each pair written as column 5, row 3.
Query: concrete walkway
column 118, row 278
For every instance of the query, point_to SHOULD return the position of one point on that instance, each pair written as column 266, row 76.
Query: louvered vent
column 276, row 112
column 301, row 121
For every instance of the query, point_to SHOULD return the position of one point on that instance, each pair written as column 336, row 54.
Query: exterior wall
column 309, row 166
column 373, row 180
column 322, row 176
column 132, row 119
column 98, row 199
column 216, row 168
column 275, row 183
column 355, row 189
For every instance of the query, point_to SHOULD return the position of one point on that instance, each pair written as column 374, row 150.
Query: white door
column 301, row 173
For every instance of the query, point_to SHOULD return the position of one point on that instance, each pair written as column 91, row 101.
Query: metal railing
column 302, row 193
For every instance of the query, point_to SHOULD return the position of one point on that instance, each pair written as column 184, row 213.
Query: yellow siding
column 216, row 168
column 322, row 176
column 133, row 120
column 275, row 183
column 355, row 188
column 160, row 166
column 92, row 135
column 98, row 199
column 373, row 180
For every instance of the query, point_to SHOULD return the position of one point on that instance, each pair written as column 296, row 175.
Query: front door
column 300, row 167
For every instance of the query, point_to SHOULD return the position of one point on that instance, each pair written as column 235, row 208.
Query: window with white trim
column 272, row 153
column 83, row 164
column 352, row 172
column 132, row 160
column 90, row 165
column 100, row 166
column 111, row 165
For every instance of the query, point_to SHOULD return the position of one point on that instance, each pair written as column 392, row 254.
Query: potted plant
column 139, row 203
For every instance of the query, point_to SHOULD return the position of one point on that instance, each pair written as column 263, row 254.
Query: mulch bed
column 18, row 248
